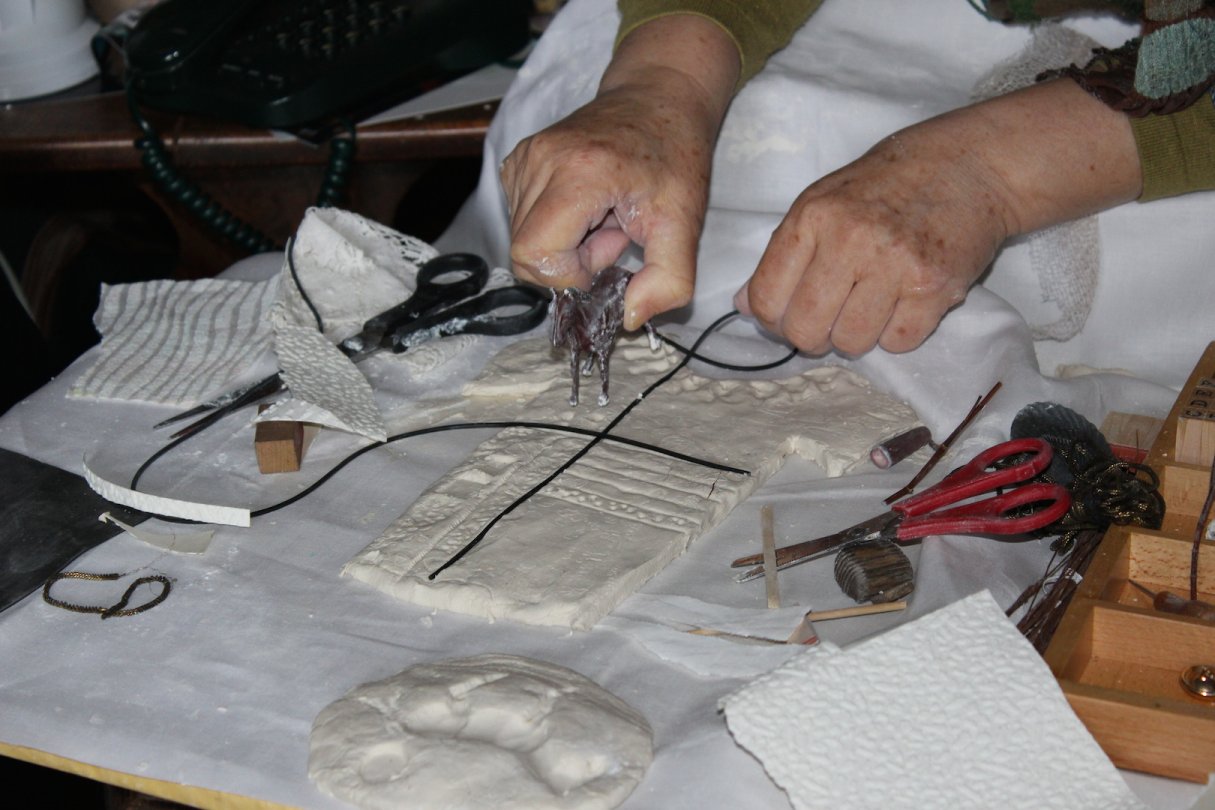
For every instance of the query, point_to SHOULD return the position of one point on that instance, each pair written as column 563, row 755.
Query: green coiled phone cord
column 159, row 164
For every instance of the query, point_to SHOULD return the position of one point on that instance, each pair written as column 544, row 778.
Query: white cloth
column 218, row 686
column 1066, row 257
column 856, row 72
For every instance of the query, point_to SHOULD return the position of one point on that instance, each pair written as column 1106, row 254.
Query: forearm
column 1051, row 153
column 758, row 28
column 689, row 63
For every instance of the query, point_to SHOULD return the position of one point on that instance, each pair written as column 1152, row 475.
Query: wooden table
column 66, row 149
column 74, row 191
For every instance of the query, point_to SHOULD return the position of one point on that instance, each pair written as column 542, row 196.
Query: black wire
column 600, row 436
column 152, row 458
column 155, row 158
column 728, row 366
column 597, row 436
column 320, row 324
column 315, row 485
column 499, row 425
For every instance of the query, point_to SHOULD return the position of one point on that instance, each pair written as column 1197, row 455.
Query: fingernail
column 632, row 320
column 741, row 303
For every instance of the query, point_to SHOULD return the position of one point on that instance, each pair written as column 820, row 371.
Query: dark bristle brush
column 874, row 571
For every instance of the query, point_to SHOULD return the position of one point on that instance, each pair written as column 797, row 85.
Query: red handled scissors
column 933, row 511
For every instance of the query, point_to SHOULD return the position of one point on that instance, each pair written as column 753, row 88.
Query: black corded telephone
column 310, row 66
column 290, row 63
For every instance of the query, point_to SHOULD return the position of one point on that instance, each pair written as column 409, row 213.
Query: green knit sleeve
column 758, row 27
column 1177, row 151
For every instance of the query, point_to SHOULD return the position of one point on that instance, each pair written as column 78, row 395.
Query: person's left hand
column 877, row 252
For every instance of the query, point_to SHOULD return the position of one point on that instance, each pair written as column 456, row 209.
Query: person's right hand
column 632, row 165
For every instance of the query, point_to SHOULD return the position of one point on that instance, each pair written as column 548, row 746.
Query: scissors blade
column 808, row 550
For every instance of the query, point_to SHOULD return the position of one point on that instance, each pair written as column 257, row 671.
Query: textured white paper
column 176, row 342
column 955, row 709
column 323, row 379
column 167, row 507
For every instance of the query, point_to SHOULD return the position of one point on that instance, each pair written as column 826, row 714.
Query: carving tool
column 948, row 508
column 893, row 450
column 1167, row 602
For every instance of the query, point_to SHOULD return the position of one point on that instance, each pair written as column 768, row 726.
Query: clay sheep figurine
column 587, row 324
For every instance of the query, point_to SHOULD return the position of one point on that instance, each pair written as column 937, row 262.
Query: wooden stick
column 944, row 446
column 708, row 631
column 769, row 541
column 859, row 610
column 1200, row 532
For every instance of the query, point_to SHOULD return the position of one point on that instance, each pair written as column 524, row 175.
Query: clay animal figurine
column 587, row 324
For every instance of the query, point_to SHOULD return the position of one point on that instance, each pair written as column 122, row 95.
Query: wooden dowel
column 859, row 610
column 769, row 541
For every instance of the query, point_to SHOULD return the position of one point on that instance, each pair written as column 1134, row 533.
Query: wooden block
column 1117, row 659
column 1130, row 435
column 1195, row 442
column 280, row 446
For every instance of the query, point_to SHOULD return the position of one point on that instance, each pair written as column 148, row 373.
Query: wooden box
column 1118, row 660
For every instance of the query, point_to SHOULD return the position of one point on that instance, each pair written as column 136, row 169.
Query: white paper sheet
column 955, row 709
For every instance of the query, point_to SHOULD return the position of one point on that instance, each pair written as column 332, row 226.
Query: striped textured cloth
column 176, row 342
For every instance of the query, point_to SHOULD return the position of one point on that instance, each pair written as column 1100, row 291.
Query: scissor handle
column 473, row 273
column 975, row 477
column 994, row 515
column 469, row 274
column 479, row 316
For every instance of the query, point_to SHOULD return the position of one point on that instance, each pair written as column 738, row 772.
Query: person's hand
column 630, row 166
column 877, row 252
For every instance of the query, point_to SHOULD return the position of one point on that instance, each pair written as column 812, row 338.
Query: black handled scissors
column 448, row 300
column 947, row 508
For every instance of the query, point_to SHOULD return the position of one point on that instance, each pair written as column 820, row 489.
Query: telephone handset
column 289, row 63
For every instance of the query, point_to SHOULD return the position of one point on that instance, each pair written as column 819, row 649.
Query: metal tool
column 448, row 300
column 1199, row 681
column 1024, row 508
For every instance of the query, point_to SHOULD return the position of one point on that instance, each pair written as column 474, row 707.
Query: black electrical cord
column 653, row 448
column 159, row 164
column 689, row 354
column 708, row 361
